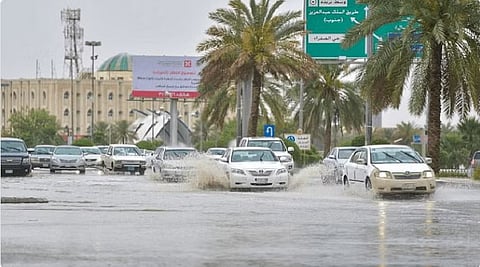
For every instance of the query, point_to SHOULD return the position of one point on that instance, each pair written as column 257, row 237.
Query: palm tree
column 329, row 100
column 470, row 130
column 249, row 43
column 405, row 131
column 444, row 71
column 122, row 132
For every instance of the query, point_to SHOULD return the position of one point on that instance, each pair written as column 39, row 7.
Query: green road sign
column 327, row 21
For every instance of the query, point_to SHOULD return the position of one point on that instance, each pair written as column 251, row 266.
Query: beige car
column 387, row 169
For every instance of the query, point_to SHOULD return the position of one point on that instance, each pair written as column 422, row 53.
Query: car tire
column 368, row 184
column 52, row 171
column 142, row 172
column 82, row 171
column 346, row 183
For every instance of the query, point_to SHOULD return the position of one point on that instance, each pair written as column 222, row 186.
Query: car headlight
column 54, row 160
column 383, row 174
column 285, row 158
column 280, row 171
column 238, row 171
column 26, row 161
column 427, row 174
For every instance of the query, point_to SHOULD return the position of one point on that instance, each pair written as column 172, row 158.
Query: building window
column 110, row 113
column 14, row 96
column 66, row 95
column 89, row 95
column 89, row 113
column 110, row 96
column 131, row 113
column 66, row 112
column 44, row 94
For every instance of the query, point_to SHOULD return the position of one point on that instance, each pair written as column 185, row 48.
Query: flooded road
column 101, row 219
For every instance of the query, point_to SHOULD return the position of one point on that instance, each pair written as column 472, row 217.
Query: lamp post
column 93, row 58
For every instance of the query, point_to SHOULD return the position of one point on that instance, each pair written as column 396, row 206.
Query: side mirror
column 428, row 160
column 331, row 156
column 290, row 149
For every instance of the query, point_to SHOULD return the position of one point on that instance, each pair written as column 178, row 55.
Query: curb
column 18, row 200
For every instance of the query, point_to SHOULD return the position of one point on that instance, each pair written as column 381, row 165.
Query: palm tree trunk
column 254, row 111
column 327, row 139
column 434, row 107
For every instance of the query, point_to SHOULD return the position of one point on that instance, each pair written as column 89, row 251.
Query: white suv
column 276, row 144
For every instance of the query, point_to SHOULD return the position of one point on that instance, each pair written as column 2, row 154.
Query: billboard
column 165, row 76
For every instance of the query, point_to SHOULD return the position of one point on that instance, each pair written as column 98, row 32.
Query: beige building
column 71, row 101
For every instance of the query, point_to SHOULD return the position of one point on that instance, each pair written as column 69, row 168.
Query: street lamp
column 93, row 58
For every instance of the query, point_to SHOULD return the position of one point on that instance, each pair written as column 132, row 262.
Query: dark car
column 15, row 157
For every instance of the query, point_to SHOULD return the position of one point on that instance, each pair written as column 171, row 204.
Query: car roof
column 249, row 148
column 262, row 138
column 123, row 145
column 387, row 146
column 11, row 139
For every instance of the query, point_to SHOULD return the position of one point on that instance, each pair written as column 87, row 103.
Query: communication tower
column 73, row 34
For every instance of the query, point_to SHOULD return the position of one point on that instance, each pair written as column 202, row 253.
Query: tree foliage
column 35, row 127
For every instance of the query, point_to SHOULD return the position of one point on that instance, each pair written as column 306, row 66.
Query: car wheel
column 346, row 183
column 52, row 171
column 368, row 184
column 142, row 171
column 82, row 171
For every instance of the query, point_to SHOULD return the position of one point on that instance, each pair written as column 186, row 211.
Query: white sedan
column 254, row 167
column 389, row 169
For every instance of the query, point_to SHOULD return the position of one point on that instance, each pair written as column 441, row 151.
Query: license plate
column 130, row 168
column 262, row 180
column 45, row 165
column 8, row 171
column 408, row 186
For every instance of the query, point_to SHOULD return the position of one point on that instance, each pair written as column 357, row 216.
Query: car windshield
column 216, row 152
column 126, row 151
column 178, row 154
column 43, row 150
column 394, row 155
column 345, row 153
column 13, row 146
column 253, row 155
column 274, row 145
column 91, row 150
column 68, row 151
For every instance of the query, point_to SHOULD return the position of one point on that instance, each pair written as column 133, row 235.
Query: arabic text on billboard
column 165, row 76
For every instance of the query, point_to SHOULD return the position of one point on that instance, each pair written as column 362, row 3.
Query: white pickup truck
column 276, row 144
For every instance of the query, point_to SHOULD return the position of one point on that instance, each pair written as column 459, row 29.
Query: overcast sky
column 32, row 31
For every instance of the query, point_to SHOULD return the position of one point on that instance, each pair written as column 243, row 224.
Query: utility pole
column 93, row 58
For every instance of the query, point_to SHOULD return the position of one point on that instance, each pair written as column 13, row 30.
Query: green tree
column 249, row 43
column 122, row 132
column 453, row 152
column 470, row 131
column 36, row 126
column 101, row 134
column 444, row 71
column 405, row 131
column 329, row 100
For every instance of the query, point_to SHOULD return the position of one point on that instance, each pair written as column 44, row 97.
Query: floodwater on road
column 101, row 219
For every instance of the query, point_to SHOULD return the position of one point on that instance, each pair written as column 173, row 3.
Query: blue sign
column 269, row 130
column 291, row 138
column 417, row 139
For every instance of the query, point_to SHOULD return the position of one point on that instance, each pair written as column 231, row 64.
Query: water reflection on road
column 101, row 219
